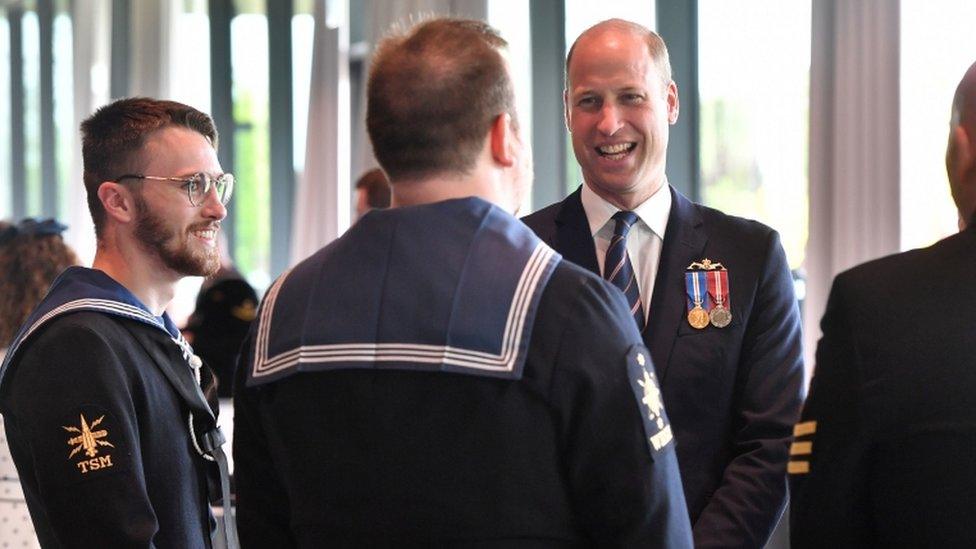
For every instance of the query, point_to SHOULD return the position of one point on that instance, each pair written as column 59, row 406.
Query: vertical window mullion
column 280, row 121
column 18, row 155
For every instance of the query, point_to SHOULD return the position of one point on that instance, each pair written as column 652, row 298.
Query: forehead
column 176, row 150
column 611, row 56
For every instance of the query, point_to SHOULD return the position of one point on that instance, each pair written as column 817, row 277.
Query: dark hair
column 656, row 47
column 29, row 263
column 112, row 138
column 377, row 188
column 433, row 95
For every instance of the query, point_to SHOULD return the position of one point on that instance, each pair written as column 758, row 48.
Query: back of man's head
column 433, row 94
column 961, row 150
column 113, row 137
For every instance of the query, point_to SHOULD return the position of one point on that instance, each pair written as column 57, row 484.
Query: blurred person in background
column 32, row 255
column 372, row 192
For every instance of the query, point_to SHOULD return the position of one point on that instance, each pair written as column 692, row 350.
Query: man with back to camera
column 711, row 293
column 438, row 376
column 107, row 424
column 885, row 452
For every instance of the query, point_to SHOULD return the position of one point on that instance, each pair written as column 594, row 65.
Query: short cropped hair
column 433, row 94
column 113, row 137
column 656, row 47
column 377, row 188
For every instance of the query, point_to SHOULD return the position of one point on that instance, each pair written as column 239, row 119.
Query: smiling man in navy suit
column 712, row 293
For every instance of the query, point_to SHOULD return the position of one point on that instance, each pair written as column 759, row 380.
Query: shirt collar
column 653, row 212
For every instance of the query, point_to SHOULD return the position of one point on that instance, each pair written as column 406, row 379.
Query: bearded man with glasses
column 104, row 407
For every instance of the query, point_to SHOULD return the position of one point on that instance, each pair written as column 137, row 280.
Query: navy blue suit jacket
column 733, row 393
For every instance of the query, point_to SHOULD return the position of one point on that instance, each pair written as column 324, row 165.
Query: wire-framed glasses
column 197, row 185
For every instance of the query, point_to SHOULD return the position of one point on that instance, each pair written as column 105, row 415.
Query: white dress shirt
column 644, row 241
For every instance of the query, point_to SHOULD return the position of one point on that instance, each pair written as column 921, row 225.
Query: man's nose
column 610, row 120
column 213, row 208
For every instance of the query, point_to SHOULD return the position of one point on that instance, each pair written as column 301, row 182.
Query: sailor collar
column 452, row 286
column 84, row 289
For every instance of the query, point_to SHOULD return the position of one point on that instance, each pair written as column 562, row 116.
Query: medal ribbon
column 718, row 287
column 695, row 284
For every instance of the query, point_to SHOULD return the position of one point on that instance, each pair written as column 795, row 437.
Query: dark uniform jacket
column 885, row 453
column 438, row 376
column 732, row 393
column 97, row 429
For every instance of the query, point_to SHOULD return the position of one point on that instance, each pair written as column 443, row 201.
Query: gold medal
column 720, row 316
column 697, row 317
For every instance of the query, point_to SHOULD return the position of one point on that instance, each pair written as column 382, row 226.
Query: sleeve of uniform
column 73, row 428
column 827, row 467
column 752, row 495
column 262, row 501
column 624, row 491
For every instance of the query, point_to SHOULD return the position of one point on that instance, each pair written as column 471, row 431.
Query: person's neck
column 446, row 187
column 153, row 284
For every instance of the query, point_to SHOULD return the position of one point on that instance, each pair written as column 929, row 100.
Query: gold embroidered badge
column 655, row 410
column 89, row 441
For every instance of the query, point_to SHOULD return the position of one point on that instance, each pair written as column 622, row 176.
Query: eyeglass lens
column 201, row 184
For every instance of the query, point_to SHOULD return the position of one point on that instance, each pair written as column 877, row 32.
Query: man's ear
column 503, row 140
column 673, row 103
column 960, row 155
column 118, row 201
column 567, row 115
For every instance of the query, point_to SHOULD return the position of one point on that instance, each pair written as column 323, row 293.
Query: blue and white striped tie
column 617, row 268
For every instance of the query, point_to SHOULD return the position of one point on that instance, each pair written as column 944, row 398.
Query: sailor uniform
column 100, row 404
column 440, row 376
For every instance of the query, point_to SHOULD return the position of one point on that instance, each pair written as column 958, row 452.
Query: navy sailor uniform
column 439, row 376
column 100, row 403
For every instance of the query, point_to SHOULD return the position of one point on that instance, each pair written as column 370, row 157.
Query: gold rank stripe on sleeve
column 801, row 448
column 805, row 428
column 798, row 467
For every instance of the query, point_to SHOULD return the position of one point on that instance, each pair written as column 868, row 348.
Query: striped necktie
column 617, row 268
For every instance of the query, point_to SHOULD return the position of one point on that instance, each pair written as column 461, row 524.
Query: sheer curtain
column 854, row 145
column 91, row 47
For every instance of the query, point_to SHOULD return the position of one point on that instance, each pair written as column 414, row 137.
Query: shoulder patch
column 90, row 443
column 650, row 402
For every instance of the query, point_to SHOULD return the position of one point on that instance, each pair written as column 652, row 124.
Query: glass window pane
column 191, row 44
column 252, row 192
column 64, row 122
column 302, row 33
column 583, row 14
column 754, row 72
column 512, row 19
column 32, row 111
column 937, row 47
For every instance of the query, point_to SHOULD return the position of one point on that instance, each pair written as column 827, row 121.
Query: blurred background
column 824, row 119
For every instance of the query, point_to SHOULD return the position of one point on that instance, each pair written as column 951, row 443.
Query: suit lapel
column 573, row 239
column 684, row 243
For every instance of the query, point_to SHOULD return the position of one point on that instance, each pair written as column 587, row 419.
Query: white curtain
column 151, row 60
column 854, row 145
column 322, row 194
column 92, row 24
